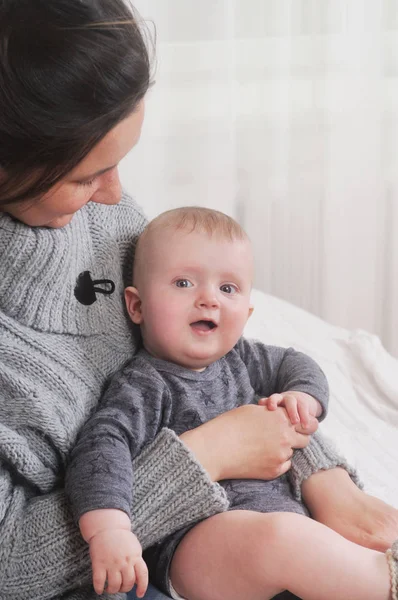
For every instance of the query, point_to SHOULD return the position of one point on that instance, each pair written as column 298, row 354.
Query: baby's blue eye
column 183, row 283
column 228, row 288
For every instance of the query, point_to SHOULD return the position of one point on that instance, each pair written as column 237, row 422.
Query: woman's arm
column 42, row 553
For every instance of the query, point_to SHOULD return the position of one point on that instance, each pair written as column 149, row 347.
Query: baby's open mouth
column 203, row 325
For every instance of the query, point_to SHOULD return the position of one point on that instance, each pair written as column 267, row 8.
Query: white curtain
column 284, row 113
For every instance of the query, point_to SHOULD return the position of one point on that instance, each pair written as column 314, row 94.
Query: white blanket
column 363, row 379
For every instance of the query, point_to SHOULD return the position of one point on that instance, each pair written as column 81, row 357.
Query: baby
column 191, row 298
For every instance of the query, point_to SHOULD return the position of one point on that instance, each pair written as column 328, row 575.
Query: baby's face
column 195, row 296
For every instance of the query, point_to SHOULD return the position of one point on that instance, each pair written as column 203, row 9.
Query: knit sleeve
column 320, row 454
column 42, row 554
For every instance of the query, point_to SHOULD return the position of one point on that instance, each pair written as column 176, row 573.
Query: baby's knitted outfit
column 150, row 394
column 63, row 333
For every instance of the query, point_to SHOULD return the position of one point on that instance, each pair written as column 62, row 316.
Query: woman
column 73, row 76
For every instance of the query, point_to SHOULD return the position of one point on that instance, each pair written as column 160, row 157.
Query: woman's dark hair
column 70, row 70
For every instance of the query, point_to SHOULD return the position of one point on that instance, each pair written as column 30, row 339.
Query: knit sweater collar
column 39, row 268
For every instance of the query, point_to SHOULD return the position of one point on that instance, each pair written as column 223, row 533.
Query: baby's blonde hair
column 191, row 218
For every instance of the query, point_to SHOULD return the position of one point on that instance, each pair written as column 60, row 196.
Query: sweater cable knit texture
column 55, row 356
column 392, row 559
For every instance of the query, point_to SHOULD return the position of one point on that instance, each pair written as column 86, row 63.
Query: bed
column 363, row 378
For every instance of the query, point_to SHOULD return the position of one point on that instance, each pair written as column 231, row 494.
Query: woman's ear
column 133, row 304
column 251, row 308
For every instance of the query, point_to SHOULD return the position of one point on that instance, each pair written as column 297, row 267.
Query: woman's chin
column 59, row 222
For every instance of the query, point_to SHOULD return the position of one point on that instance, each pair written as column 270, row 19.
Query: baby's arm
column 293, row 378
column 100, row 472
column 100, row 479
column 115, row 552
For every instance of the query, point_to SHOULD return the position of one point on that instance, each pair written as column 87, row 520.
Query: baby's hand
column 116, row 557
column 300, row 407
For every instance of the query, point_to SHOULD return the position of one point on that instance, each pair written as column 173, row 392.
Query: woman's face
column 94, row 179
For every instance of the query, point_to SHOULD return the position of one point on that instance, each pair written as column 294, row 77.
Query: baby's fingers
column 272, row 402
column 304, row 413
column 141, row 577
column 128, row 577
column 99, row 579
column 114, row 581
column 291, row 408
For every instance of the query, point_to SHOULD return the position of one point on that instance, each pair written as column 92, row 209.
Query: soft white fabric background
column 284, row 113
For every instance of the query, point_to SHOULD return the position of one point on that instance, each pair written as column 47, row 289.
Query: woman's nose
column 110, row 190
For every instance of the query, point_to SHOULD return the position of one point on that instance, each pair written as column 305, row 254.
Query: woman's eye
column 228, row 288
column 183, row 283
column 90, row 182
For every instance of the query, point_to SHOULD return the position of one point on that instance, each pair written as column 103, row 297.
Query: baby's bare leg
column 243, row 554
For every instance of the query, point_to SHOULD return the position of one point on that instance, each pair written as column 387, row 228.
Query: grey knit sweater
column 63, row 332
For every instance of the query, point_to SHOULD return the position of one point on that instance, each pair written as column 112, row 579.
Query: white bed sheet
column 363, row 379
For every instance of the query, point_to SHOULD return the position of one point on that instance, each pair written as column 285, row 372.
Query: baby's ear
column 133, row 304
column 251, row 308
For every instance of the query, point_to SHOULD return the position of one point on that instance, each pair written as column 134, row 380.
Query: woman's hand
column 334, row 500
column 249, row 442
